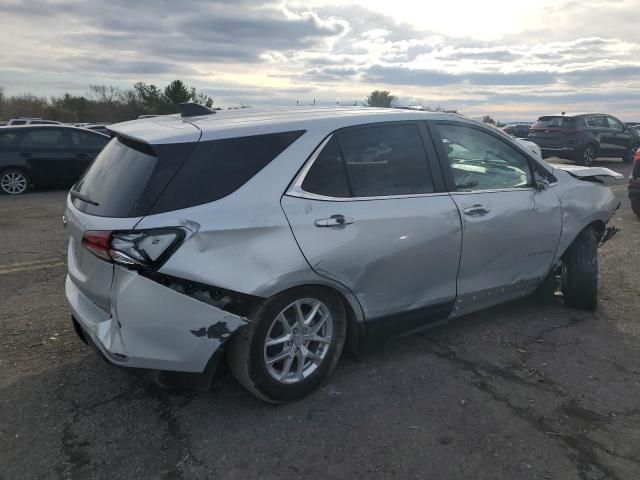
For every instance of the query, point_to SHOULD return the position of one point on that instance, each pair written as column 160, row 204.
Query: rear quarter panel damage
column 244, row 245
column 165, row 330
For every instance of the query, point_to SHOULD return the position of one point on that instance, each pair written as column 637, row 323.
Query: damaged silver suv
column 279, row 238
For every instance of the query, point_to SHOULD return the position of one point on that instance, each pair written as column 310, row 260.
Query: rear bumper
column 634, row 188
column 151, row 326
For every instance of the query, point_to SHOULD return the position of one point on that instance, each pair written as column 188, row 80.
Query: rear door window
column 373, row 161
column 386, row 160
column 597, row 121
column 50, row 138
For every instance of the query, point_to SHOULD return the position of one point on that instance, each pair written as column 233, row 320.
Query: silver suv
column 282, row 237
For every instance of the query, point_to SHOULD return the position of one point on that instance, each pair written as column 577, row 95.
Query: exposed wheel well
column 597, row 225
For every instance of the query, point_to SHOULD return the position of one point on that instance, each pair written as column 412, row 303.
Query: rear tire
column 14, row 182
column 580, row 271
column 587, row 155
column 305, row 363
column 635, row 205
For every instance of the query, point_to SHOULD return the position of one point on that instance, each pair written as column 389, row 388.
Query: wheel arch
column 599, row 227
column 22, row 168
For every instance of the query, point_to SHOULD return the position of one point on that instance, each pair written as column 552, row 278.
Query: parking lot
column 529, row 390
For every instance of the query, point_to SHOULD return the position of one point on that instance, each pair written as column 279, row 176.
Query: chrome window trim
column 296, row 187
column 314, row 196
column 528, row 188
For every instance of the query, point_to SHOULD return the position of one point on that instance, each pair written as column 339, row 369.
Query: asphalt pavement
column 527, row 390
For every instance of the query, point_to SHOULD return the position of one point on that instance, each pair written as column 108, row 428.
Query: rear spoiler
column 579, row 171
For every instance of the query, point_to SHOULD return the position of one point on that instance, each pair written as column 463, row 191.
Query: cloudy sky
column 511, row 59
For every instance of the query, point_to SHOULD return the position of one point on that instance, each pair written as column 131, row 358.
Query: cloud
column 424, row 77
column 587, row 51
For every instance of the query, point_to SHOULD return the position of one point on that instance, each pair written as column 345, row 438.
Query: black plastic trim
column 387, row 327
column 237, row 303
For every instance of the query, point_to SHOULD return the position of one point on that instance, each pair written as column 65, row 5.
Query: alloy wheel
column 298, row 340
column 588, row 155
column 13, row 183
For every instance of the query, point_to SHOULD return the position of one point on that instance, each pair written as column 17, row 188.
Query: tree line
column 103, row 103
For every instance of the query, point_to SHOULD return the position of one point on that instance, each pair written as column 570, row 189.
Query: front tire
column 291, row 346
column 580, row 271
column 14, row 182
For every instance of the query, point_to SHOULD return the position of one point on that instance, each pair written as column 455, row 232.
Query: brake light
column 98, row 244
column 138, row 249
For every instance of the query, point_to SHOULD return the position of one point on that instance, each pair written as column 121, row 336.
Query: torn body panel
column 151, row 326
column 583, row 203
column 579, row 171
column 244, row 245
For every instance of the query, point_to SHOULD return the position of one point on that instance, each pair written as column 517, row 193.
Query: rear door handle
column 476, row 211
column 25, row 154
column 334, row 221
column 81, row 155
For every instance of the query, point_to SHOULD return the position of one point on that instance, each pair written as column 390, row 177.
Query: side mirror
column 541, row 183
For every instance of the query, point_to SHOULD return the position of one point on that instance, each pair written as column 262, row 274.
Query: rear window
column 554, row 122
column 217, row 168
column 116, row 179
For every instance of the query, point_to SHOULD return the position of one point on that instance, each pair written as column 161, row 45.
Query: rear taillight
column 637, row 155
column 139, row 249
column 97, row 242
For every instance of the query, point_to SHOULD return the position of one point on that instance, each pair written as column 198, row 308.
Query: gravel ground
column 528, row 390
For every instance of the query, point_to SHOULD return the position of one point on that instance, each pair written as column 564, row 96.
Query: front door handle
column 81, row 155
column 25, row 154
column 334, row 221
column 476, row 211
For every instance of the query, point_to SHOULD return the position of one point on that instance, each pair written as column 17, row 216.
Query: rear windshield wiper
column 84, row 198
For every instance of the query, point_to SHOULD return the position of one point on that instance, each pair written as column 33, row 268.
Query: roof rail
column 194, row 109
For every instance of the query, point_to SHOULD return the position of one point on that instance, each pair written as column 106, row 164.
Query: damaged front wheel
column 580, row 271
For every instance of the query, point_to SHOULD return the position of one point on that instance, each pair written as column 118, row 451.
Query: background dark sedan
column 45, row 156
column 518, row 130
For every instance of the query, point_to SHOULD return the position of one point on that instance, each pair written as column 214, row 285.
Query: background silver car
column 282, row 236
